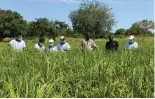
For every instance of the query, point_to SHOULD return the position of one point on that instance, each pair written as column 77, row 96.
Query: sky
column 126, row 12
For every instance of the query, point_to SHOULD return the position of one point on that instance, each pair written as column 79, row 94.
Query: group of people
column 113, row 45
column 87, row 44
column 62, row 46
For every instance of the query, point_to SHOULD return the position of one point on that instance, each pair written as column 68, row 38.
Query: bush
column 119, row 36
column 76, row 35
column 120, row 31
column 7, row 39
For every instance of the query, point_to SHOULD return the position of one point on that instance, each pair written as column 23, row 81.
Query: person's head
column 41, row 40
column 87, row 36
column 111, row 36
column 19, row 36
column 131, row 39
column 51, row 42
column 62, row 39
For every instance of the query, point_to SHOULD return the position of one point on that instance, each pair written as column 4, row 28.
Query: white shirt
column 63, row 47
column 89, row 45
column 131, row 46
column 51, row 49
column 38, row 47
column 17, row 45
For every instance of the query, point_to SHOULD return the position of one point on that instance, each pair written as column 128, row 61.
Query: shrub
column 7, row 39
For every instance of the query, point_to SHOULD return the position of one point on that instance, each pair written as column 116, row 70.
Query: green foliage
column 69, row 32
column 120, row 31
column 92, row 17
column 63, row 28
column 41, row 27
column 60, row 25
column 77, row 35
column 104, row 34
column 142, row 28
column 11, row 23
column 6, row 39
column 93, row 74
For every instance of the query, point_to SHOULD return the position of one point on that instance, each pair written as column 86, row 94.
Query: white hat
column 62, row 37
column 131, row 37
column 51, row 41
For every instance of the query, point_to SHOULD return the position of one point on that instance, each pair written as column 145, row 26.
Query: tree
column 11, row 23
column 41, row 27
column 70, row 32
column 53, row 31
column 93, row 17
column 30, row 29
column 142, row 28
column 62, row 27
column 120, row 31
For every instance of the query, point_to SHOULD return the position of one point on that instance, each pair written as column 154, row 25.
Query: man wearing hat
column 131, row 44
column 63, row 45
column 51, row 46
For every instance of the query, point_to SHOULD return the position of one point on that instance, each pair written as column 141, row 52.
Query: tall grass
column 41, row 74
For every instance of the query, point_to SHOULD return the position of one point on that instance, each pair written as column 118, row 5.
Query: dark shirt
column 112, row 45
column 18, row 40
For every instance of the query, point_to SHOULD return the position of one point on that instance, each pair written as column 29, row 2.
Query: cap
column 62, row 37
column 131, row 37
column 51, row 41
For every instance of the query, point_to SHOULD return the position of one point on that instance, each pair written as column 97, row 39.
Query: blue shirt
column 131, row 46
column 63, row 47
column 52, row 49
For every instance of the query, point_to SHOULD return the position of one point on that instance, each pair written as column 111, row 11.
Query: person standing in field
column 131, row 44
column 18, row 43
column 112, row 45
column 63, row 45
column 40, row 44
column 51, row 46
column 87, row 43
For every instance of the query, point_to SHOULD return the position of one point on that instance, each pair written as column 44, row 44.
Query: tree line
column 91, row 16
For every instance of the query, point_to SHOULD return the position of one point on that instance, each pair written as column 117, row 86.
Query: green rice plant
column 91, row 74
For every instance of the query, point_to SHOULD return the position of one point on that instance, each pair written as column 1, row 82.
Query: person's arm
column 106, row 46
column 24, row 45
column 10, row 43
column 58, row 47
column 125, row 48
column 94, row 45
column 136, row 46
column 117, row 45
column 43, row 47
column 46, row 48
column 68, row 47
column 34, row 46
column 82, row 45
